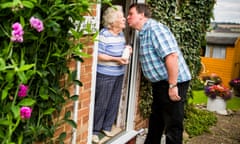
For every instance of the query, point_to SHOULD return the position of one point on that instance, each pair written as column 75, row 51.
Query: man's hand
column 173, row 94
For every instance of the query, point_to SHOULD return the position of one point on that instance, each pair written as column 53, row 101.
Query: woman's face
column 120, row 21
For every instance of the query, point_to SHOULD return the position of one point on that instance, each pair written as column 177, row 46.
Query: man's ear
column 142, row 15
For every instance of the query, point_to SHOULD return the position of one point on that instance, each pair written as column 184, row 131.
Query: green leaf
column 10, row 76
column 34, row 1
column 4, row 122
column 26, row 67
column 28, row 4
column 2, row 64
column 22, row 21
column 53, row 24
column 43, row 92
column 30, row 73
column 26, row 102
column 4, row 93
column 74, row 97
column 16, row 111
column 49, row 111
column 58, row 18
column 67, row 115
column 20, row 138
column 77, row 82
column 62, row 136
column 22, row 76
column 6, row 89
column 2, row 134
column 6, row 5
column 82, row 54
column 78, row 58
column 71, row 122
column 66, row 92
column 74, row 33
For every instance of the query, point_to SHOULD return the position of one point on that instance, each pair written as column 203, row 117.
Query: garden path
column 226, row 131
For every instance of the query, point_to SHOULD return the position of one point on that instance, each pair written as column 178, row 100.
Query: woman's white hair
column 110, row 15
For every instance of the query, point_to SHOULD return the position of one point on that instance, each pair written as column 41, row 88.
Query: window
column 215, row 51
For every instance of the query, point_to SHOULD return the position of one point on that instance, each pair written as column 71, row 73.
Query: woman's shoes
column 95, row 139
column 108, row 133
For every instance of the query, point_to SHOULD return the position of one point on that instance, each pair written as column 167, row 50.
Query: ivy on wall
column 189, row 20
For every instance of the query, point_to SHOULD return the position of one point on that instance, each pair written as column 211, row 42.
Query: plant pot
column 217, row 105
column 236, row 92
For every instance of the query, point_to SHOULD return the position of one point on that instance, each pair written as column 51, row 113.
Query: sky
column 227, row 11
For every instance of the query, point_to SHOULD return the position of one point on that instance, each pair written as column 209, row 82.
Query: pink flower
column 17, row 32
column 25, row 112
column 22, row 90
column 17, row 26
column 37, row 24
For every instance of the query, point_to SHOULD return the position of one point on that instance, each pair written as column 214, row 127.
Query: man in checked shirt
column 162, row 63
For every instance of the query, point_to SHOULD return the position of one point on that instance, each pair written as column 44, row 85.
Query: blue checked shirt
column 156, row 42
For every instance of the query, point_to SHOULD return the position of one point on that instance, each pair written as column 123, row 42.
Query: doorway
column 124, row 123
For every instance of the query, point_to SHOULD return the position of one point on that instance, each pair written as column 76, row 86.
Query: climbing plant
column 189, row 20
column 38, row 40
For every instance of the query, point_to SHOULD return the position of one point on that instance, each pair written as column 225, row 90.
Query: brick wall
column 139, row 121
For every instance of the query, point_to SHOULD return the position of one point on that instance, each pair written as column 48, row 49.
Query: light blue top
column 112, row 45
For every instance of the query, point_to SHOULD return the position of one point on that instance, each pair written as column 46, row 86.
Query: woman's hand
column 123, row 61
column 130, row 49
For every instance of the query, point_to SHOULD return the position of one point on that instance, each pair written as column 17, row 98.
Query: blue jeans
column 167, row 116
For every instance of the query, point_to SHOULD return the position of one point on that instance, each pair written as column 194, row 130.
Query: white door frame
column 129, row 132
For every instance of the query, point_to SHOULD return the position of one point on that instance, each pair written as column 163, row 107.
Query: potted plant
column 217, row 94
column 220, row 91
column 235, row 85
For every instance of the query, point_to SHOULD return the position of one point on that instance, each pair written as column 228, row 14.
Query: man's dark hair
column 142, row 8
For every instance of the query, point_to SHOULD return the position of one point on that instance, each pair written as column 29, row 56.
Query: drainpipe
column 75, row 109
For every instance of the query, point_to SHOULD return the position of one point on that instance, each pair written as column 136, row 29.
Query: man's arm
column 171, row 62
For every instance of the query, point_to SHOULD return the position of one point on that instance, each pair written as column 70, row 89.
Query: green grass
column 200, row 98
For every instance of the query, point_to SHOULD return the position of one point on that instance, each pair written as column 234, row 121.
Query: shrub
column 197, row 84
column 198, row 121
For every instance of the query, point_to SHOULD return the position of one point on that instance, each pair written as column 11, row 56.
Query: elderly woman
column 110, row 71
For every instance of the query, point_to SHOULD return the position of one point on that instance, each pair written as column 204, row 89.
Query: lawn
column 200, row 98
